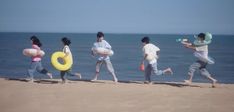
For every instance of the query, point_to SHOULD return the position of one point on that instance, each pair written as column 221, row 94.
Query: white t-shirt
column 151, row 50
column 202, row 51
column 66, row 50
column 102, row 44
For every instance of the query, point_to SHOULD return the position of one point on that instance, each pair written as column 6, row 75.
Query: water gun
column 184, row 41
column 181, row 40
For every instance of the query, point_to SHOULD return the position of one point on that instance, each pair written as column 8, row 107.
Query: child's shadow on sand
column 174, row 84
column 41, row 81
column 49, row 81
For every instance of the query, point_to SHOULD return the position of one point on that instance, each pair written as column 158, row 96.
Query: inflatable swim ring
column 103, row 51
column 208, row 59
column 61, row 66
column 208, row 38
column 32, row 52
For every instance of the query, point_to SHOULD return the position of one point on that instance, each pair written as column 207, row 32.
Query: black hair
column 202, row 36
column 145, row 40
column 35, row 40
column 100, row 34
column 33, row 37
column 66, row 41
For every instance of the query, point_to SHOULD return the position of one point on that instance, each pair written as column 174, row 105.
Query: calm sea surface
column 126, row 60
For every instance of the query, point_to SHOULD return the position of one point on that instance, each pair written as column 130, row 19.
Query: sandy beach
column 17, row 95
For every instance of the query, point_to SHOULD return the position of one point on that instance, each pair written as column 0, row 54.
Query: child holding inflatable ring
column 200, row 47
column 36, row 60
column 103, row 58
column 66, row 42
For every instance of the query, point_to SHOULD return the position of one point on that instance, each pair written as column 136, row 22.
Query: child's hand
column 92, row 54
column 66, row 55
column 185, row 42
column 186, row 45
column 190, row 46
column 142, row 62
column 38, row 52
column 104, row 55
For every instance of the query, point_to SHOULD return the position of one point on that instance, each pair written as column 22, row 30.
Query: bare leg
column 168, row 71
column 148, row 71
column 111, row 70
column 62, row 74
column 32, row 70
column 205, row 73
column 95, row 77
column 213, row 81
column 189, row 81
column 115, row 78
column 192, row 69
column 98, row 66
column 78, row 75
column 50, row 75
column 43, row 70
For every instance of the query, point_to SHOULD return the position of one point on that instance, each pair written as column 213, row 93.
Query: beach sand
column 105, row 96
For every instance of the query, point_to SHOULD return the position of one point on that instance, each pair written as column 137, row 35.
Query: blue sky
column 118, row 16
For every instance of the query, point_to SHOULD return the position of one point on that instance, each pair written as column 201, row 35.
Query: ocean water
column 126, row 60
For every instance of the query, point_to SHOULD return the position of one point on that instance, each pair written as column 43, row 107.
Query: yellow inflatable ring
column 61, row 66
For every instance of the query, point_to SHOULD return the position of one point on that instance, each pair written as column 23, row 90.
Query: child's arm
column 186, row 43
column 37, row 48
column 107, row 45
column 66, row 54
column 145, row 56
column 190, row 46
column 157, row 54
column 92, row 53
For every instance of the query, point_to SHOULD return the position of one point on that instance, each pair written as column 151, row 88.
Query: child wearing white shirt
column 150, row 52
column 103, row 58
column 66, row 42
column 200, row 64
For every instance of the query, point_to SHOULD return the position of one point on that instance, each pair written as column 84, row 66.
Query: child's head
column 145, row 40
column 100, row 36
column 35, row 41
column 201, row 36
column 66, row 41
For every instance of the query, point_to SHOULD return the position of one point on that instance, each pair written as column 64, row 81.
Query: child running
column 150, row 52
column 66, row 42
column 103, row 58
column 200, row 64
column 36, row 60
